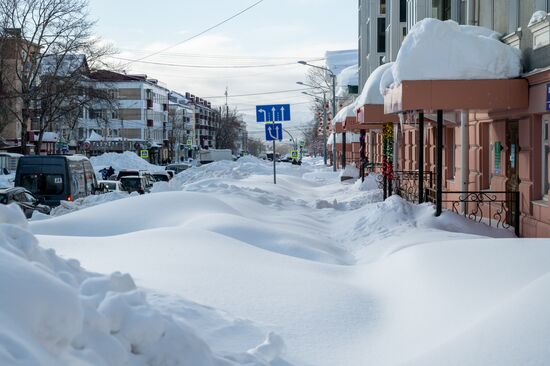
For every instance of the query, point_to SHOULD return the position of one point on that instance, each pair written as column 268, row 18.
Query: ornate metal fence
column 406, row 184
column 495, row 208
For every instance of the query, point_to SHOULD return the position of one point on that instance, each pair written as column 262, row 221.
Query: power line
column 198, row 34
column 223, row 57
column 209, row 66
column 255, row 94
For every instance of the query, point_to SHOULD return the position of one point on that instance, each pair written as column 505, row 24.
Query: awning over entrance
column 454, row 95
column 371, row 116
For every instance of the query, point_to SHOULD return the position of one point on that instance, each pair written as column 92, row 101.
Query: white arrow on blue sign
column 273, row 131
column 273, row 113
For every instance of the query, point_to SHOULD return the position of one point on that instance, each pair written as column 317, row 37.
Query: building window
column 382, row 7
column 381, row 35
column 441, row 9
column 402, row 11
column 513, row 16
column 545, row 151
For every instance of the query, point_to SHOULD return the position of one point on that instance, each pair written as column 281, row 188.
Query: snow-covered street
column 324, row 267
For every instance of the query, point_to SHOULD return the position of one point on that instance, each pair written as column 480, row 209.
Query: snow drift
column 55, row 313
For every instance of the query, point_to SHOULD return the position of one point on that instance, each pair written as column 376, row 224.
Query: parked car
column 171, row 173
column 149, row 180
column 57, row 178
column 24, row 199
column 112, row 185
column 161, row 176
column 134, row 183
column 178, row 167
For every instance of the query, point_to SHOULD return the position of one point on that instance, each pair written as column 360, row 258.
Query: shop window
column 545, row 151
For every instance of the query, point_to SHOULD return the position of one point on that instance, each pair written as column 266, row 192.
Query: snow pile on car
column 119, row 161
column 65, row 206
column 53, row 312
column 445, row 50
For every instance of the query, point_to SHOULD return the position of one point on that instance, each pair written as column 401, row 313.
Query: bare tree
column 255, row 146
column 40, row 38
column 228, row 130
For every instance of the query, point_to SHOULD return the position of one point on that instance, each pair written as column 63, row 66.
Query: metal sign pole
column 274, row 162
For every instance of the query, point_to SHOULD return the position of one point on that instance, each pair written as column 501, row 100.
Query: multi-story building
column 14, row 52
column 507, row 149
column 181, row 131
column 139, row 110
column 207, row 121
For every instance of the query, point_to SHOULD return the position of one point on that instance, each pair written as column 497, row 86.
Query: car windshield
column 3, row 198
column 131, row 182
column 161, row 177
column 43, row 184
column 110, row 185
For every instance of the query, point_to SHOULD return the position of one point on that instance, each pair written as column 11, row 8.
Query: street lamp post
column 333, row 77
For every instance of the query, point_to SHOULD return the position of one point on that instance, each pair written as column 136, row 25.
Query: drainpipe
column 465, row 147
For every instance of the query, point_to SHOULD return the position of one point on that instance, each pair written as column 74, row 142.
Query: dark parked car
column 25, row 199
column 134, row 183
column 57, row 178
column 161, row 177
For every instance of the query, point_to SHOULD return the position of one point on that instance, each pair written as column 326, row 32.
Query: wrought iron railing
column 495, row 208
column 406, row 184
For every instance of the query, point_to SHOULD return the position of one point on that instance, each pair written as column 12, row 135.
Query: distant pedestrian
column 110, row 171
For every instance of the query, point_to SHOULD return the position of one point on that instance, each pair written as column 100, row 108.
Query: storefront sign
column 548, row 97
column 498, row 149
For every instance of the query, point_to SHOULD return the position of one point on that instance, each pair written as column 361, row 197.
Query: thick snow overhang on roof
column 454, row 95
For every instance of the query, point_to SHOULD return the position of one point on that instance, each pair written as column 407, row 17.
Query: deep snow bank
column 126, row 160
column 54, row 313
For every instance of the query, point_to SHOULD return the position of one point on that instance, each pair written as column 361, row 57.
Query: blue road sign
column 273, row 113
column 273, row 131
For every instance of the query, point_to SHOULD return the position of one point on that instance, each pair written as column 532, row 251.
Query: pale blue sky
column 274, row 32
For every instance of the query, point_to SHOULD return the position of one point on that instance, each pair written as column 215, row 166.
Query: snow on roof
column 444, row 50
column 61, row 65
column 371, row 93
column 347, row 77
column 537, row 17
column 48, row 137
column 347, row 111
column 337, row 61
column 94, row 136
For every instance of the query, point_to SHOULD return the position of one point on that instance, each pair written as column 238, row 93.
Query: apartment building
column 14, row 53
column 181, row 131
column 207, row 121
column 139, row 111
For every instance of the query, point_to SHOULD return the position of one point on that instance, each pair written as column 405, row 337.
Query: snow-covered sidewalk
column 322, row 271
